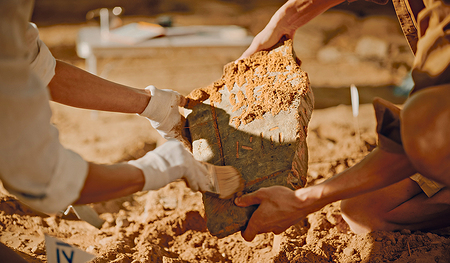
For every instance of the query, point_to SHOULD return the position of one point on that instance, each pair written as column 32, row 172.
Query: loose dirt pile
column 273, row 80
column 169, row 225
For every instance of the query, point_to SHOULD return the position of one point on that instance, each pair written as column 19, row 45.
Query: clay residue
column 240, row 102
column 211, row 92
column 268, row 81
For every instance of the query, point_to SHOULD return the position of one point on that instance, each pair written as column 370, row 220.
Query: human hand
column 265, row 39
column 268, row 38
column 170, row 162
column 163, row 112
column 286, row 20
column 279, row 208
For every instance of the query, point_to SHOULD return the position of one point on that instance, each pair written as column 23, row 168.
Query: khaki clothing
column 34, row 166
column 426, row 26
column 431, row 46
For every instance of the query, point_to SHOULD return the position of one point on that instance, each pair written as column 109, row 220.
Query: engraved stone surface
column 255, row 119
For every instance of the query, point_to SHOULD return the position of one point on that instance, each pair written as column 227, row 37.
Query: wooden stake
column 276, row 244
column 355, row 109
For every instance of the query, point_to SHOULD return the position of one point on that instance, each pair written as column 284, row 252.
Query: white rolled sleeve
column 42, row 62
column 34, row 166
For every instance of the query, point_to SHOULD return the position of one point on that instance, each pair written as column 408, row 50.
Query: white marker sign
column 60, row 252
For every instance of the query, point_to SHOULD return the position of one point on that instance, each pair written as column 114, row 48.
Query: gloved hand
column 162, row 111
column 169, row 162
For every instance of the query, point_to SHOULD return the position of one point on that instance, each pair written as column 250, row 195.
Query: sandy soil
column 169, row 225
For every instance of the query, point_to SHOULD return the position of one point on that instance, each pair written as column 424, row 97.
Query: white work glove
column 163, row 113
column 169, row 162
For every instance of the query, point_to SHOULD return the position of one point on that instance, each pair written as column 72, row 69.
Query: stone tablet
column 255, row 119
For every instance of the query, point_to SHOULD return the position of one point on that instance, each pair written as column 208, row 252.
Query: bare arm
column 105, row 182
column 78, row 88
column 280, row 207
column 41, row 172
column 75, row 87
column 292, row 15
column 379, row 169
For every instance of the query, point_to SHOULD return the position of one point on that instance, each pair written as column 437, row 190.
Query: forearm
column 156, row 169
column 280, row 207
column 377, row 170
column 105, row 182
column 78, row 88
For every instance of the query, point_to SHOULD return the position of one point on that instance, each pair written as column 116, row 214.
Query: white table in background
column 91, row 45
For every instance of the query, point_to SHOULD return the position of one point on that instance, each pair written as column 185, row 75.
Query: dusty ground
column 168, row 225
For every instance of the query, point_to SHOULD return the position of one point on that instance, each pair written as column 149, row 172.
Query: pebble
column 405, row 231
column 107, row 241
column 127, row 205
column 90, row 249
column 169, row 203
column 392, row 239
column 349, row 251
column 196, row 242
column 122, row 221
column 108, row 217
column 52, row 222
column 38, row 249
column 314, row 174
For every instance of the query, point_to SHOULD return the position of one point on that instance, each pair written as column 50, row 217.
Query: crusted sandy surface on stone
column 269, row 81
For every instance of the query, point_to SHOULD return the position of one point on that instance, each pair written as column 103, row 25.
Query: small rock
column 405, row 231
column 39, row 221
column 349, row 251
column 91, row 249
column 51, row 222
column 419, row 239
column 108, row 217
column 38, row 249
column 169, row 203
column 314, row 174
column 122, row 221
column 107, row 241
column 127, row 205
column 392, row 239
column 209, row 243
column 197, row 241
column 430, row 235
